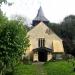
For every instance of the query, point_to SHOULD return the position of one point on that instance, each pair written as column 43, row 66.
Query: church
column 45, row 44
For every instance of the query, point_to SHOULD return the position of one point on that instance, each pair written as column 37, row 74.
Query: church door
column 42, row 55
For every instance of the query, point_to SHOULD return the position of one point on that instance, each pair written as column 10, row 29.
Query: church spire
column 40, row 12
column 40, row 17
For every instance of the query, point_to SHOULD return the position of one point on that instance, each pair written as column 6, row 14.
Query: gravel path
column 39, row 68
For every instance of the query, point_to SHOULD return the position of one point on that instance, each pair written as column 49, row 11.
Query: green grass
column 51, row 68
column 23, row 69
column 59, row 68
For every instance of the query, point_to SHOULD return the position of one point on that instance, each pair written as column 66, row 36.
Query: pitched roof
column 42, row 29
column 40, row 15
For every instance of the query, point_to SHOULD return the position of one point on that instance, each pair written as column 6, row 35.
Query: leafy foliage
column 68, row 33
column 13, row 41
column 69, row 26
column 66, row 30
column 56, row 28
column 1, row 1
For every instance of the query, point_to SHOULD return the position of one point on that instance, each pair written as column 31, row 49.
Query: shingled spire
column 40, row 17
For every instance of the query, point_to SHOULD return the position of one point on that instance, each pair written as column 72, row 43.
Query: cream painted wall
column 42, row 31
column 52, row 41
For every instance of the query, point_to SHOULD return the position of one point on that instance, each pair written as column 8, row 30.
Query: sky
column 54, row 10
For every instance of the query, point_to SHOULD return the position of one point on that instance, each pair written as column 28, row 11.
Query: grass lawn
column 51, row 68
column 23, row 69
column 59, row 68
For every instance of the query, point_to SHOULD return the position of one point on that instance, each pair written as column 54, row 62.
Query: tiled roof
column 40, row 15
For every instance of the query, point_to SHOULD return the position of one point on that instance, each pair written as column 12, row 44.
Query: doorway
column 42, row 55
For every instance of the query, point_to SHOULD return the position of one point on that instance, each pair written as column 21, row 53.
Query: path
column 40, row 69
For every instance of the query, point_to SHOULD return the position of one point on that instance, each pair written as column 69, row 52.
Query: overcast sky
column 54, row 10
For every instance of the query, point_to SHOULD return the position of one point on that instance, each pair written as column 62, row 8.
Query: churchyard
column 63, row 67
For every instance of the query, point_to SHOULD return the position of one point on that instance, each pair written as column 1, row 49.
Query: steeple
column 40, row 17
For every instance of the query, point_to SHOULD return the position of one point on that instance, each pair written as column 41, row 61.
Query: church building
column 45, row 44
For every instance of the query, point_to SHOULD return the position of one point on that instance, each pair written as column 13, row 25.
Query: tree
column 68, row 32
column 21, row 19
column 56, row 28
column 69, row 26
column 13, row 41
column 1, row 1
column 6, row 2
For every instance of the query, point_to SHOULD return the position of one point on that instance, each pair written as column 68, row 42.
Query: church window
column 41, row 42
